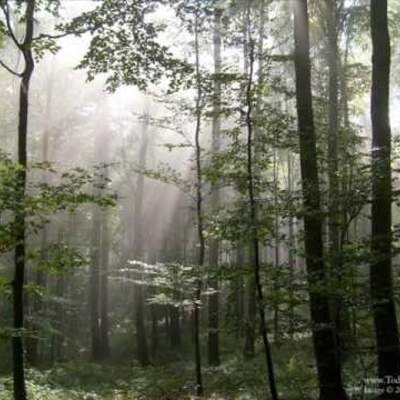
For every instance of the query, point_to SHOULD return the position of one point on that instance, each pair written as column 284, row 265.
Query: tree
column 384, row 313
column 253, row 213
column 324, row 336
column 33, row 345
column 138, row 250
column 199, row 203
column 134, row 56
column 100, row 248
column 19, row 252
column 213, row 302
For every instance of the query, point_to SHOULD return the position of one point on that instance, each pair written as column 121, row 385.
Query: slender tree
column 25, row 48
column 251, row 301
column 335, row 218
column 33, row 349
column 100, row 248
column 324, row 336
column 213, row 301
column 142, row 352
column 253, row 211
column 94, row 286
column 199, row 204
column 104, row 275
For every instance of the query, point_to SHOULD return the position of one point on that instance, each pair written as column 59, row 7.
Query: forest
column 199, row 199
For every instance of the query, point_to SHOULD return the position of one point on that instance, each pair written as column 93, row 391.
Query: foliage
column 120, row 28
column 69, row 191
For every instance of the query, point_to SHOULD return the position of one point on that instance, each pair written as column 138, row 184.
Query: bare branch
column 10, row 70
column 59, row 36
column 64, row 34
column 10, row 31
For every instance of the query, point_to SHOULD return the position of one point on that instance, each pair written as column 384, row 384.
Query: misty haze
column 199, row 199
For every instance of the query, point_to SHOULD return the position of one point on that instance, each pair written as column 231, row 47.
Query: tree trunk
column 100, row 258
column 33, row 349
column 324, row 336
column 276, row 241
column 339, row 314
column 254, row 219
column 94, row 283
column 235, row 300
column 199, row 212
column 175, row 333
column 383, row 305
column 20, row 247
column 104, row 272
column 58, row 337
column 250, row 320
column 154, row 330
column 213, row 299
column 142, row 352
column 251, row 302
column 291, row 250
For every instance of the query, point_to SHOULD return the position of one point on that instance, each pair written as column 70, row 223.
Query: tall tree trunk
column 251, row 301
column 384, row 313
column 324, row 336
column 256, row 261
column 333, row 56
column 94, row 283
column 276, row 241
column 238, row 292
column 291, row 249
column 250, row 319
column 104, row 272
column 199, row 211
column 100, row 259
column 20, row 247
column 33, row 351
column 154, row 330
column 142, row 352
column 175, row 313
column 213, row 299
column 58, row 337
column 339, row 314
column 350, row 314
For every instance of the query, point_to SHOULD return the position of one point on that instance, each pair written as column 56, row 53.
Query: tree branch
column 48, row 36
column 64, row 34
column 10, row 70
column 10, row 31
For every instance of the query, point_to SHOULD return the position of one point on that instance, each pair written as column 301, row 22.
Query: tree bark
column 324, row 336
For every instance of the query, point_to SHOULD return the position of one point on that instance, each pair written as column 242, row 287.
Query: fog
column 207, row 198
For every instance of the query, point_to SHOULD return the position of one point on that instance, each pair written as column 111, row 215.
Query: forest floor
column 234, row 379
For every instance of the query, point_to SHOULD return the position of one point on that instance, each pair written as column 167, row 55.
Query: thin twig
column 10, row 70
